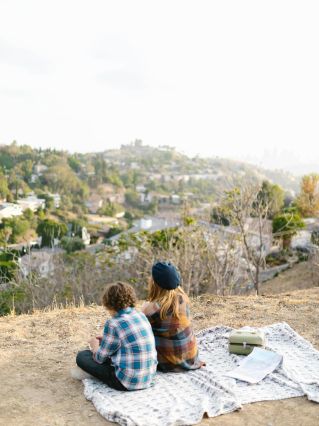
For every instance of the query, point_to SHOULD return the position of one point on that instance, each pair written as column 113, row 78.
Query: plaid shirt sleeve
column 109, row 345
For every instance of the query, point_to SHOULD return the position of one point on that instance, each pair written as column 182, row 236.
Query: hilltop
column 37, row 351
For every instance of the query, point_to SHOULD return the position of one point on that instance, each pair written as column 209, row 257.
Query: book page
column 256, row 366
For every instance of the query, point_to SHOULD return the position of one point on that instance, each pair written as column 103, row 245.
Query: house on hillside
column 39, row 169
column 8, row 210
column 175, row 199
column 31, row 202
column 140, row 188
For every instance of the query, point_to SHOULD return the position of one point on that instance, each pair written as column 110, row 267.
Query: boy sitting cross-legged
column 125, row 356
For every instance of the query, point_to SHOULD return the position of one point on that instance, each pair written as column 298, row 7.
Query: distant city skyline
column 231, row 79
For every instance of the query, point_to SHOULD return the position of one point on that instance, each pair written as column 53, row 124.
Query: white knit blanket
column 183, row 398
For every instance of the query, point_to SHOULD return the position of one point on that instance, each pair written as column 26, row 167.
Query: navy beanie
column 166, row 275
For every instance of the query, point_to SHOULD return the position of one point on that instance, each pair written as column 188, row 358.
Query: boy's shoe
column 79, row 374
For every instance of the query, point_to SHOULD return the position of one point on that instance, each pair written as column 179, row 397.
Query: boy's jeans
column 104, row 372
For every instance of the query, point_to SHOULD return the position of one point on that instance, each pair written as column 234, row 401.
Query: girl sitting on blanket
column 169, row 314
column 125, row 356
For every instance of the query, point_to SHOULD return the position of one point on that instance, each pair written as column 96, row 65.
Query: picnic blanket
column 183, row 398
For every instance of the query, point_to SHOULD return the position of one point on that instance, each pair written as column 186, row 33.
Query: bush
column 286, row 225
column 10, row 296
column 71, row 244
column 276, row 259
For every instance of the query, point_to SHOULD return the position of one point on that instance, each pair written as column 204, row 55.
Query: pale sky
column 226, row 78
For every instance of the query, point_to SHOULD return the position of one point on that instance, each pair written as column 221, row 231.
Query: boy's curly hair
column 119, row 296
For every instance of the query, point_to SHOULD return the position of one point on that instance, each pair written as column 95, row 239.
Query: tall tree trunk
column 257, row 280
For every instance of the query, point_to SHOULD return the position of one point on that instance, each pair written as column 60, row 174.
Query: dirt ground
column 300, row 276
column 37, row 351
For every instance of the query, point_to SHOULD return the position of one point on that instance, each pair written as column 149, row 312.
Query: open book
column 256, row 366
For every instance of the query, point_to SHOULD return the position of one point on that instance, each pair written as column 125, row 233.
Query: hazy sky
column 226, row 78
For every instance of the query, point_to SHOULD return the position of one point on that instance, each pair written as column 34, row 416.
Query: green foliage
column 76, row 227
column 26, row 169
column 6, row 161
column 71, row 244
column 49, row 202
column 5, row 234
column 74, row 163
column 17, row 184
column 189, row 221
column 132, row 198
column 9, row 296
column 219, row 216
column 49, row 230
column 61, row 178
column 276, row 259
column 163, row 239
column 4, row 190
column 273, row 196
column 110, row 209
column 115, row 230
column 28, row 215
column 131, row 178
column 8, row 265
column 286, row 225
column 18, row 227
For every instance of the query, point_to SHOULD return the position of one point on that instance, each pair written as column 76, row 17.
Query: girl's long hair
column 168, row 300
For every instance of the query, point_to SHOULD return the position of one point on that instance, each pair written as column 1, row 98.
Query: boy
column 125, row 356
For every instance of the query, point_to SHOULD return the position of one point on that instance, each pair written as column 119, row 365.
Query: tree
column 243, row 206
column 286, row 225
column 62, row 179
column 110, row 209
column 5, row 234
column 16, row 184
column 4, row 190
column 74, row 163
column 8, row 265
column 132, row 198
column 218, row 215
column 273, row 196
column 308, row 199
column 49, row 201
column 26, row 170
column 49, row 229
column 18, row 226
column 71, row 244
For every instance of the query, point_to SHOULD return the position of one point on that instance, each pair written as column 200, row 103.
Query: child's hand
column 99, row 338
column 94, row 344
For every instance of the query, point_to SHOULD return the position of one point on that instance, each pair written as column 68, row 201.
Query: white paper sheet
column 256, row 366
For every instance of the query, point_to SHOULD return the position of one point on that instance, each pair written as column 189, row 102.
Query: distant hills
column 165, row 159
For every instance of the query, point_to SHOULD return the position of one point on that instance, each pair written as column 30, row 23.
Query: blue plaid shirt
column 129, row 341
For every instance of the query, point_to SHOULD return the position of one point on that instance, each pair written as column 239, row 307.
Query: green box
column 242, row 342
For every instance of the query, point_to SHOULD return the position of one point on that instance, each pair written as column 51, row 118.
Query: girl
column 169, row 315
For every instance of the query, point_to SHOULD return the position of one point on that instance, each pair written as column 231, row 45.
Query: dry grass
column 36, row 352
